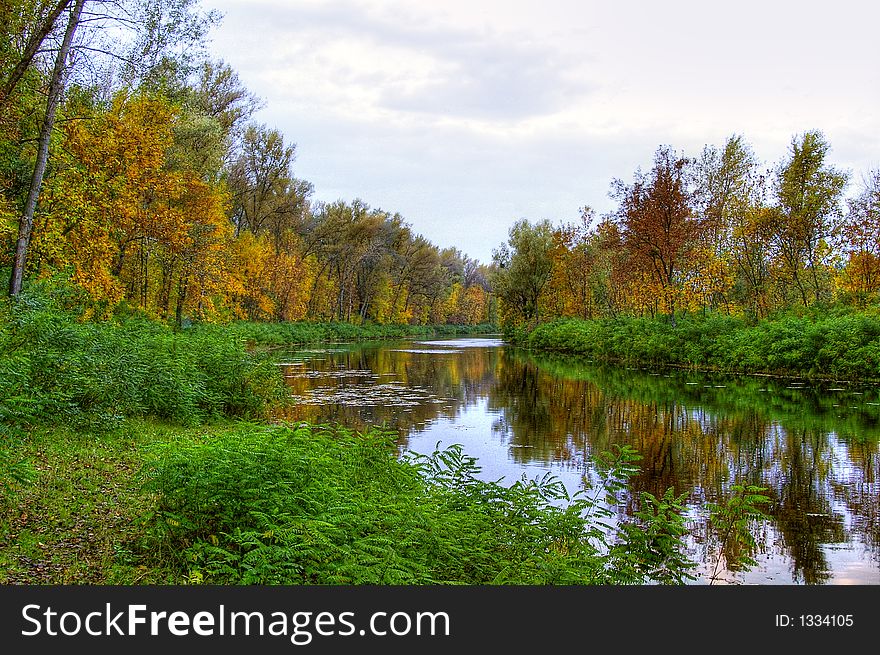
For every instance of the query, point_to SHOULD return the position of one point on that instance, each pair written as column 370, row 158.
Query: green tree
column 808, row 211
column 723, row 183
column 260, row 179
column 24, row 25
column 524, row 265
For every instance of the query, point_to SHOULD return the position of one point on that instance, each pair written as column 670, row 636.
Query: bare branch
column 33, row 45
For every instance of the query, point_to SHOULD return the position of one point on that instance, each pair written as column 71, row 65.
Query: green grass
column 310, row 332
column 242, row 503
column 57, row 369
column 835, row 343
column 79, row 520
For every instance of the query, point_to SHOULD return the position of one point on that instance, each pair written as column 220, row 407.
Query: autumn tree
column 524, row 266
column 259, row 178
column 129, row 219
column 658, row 225
column 164, row 29
column 413, row 263
column 808, row 210
column 726, row 183
column 576, row 268
column 160, row 192
column 861, row 237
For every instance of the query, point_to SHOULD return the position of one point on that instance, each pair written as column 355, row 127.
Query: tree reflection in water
column 813, row 446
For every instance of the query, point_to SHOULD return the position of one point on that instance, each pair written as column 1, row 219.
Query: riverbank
column 305, row 332
column 239, row 503
column 839, row 343
column 135, row 454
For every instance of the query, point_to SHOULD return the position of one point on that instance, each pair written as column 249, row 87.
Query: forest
column 717, row 262
column 132, row 170
column 721, row 232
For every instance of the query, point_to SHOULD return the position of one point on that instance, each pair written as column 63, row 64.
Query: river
column 812, row 445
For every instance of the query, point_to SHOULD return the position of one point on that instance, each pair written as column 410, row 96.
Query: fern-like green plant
column 733, row 522
column 652, row 547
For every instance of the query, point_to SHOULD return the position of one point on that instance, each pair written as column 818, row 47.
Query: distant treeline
column 265, row 333
column 713, row 262
column 715, row 233
column 143, row 179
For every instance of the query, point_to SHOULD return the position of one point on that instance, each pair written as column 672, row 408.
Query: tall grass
column 838, row 343
column 323, row 505
column 55, row 368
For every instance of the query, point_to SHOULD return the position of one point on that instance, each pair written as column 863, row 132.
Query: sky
column 467, row 115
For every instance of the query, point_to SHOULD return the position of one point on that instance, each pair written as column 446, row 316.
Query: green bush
column 57, row 368
column 322, row 505
column 834, row 343
column 302, row 332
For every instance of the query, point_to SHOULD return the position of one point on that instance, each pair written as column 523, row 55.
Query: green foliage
column 647, row 548
column 523, row 269
column 830, row 342
column 732, row 523
column 323, row 505
column 277, row 334
column 16, row 471
column 653, row 547
column 57, row 368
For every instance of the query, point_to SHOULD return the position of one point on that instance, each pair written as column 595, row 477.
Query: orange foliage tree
column 126, row 223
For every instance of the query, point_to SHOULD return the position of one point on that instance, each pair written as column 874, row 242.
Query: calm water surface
column 813, row 445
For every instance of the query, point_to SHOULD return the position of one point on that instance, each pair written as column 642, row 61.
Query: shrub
column 839, row 343
column 323, row 505
column 56, row 368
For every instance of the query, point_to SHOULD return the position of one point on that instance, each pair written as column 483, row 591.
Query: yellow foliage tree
column 125, row 222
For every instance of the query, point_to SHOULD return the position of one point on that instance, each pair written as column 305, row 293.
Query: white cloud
column 465, row 115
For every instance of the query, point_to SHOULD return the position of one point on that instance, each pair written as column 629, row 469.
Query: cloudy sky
column 465, row 115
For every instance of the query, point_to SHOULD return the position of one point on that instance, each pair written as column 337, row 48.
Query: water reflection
column 814, row 446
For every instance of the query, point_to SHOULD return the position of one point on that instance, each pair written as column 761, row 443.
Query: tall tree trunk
column 56, row 88
column 30, row 49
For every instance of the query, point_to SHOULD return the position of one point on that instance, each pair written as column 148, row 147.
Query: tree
column 524, row 268
column 658, row 224
column 574, row 267
column 260, row 179
column 808, row 211
column 56, row 88
column 126, row 221
column 413, row 263
column 723, row 181
column 861, row 232
column 220, row 96
column 166, row 35
column 14, row 22
column 166, row 46
column 751, row 236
